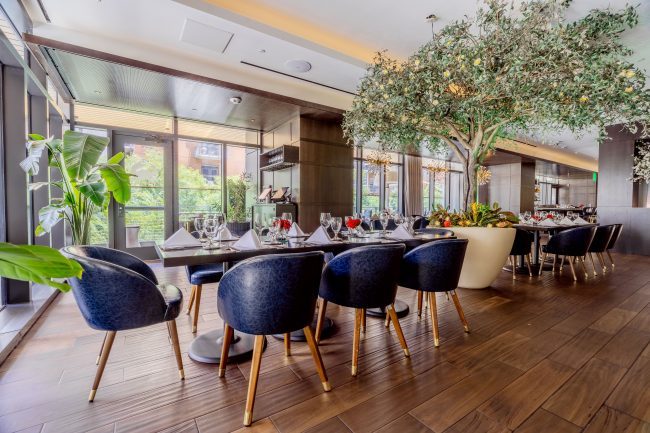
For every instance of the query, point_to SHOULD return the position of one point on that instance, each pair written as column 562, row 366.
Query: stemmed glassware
column 274, row 229
column 399, row 219
column 352, row 223
column 409, row 224
column 211, row 229
column 383, row 220
column 325, row 220
column 336, row 223
column 287, row 216
column 199, row 226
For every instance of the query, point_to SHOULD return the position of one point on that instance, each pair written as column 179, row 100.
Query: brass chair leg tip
column 91, row 397
column 466, row 328
column 193, row 329
column 327, row 387
column 222, row 372
column 436, row 342
column 248, row 418
column 407, row 353
column 354, row 371
column 97, row 361
column 181, row 373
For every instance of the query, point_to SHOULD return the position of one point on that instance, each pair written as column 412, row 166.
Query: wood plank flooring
column 545, row 355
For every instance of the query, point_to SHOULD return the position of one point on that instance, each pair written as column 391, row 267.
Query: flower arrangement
column 478, row 215
column 641, row 172
column 283, row 224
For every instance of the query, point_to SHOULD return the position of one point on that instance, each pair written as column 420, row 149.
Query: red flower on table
column 446, row 223
column 283, row 224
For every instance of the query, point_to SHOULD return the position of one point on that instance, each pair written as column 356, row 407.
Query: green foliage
column 506, row 69
column 37, row 263
column 478, row 215
column 237, row 188
column 87, row 184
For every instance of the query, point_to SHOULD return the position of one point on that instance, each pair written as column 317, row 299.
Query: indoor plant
column 87, row 184
column 508, row 69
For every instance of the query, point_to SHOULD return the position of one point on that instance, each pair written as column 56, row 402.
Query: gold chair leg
column 420, row 297
column 584, row 267
column 108, row 344
column 461, row 313
column 387, row 320
column 433, row 308
column 197, row 304
column 593, row 264
column 363, row 320
column 287, row 344
column 398, row 328
column 610, row 258
column 541, row 264
column 318, row 360
column 191, row 300
column 601, row 259
column 530, row 271
column 252, row 382
column 321, row 319
column 173, row 332
column 355, row 341
column 573, row 271
column 554, row 263
column 225, row 348
column 101, row 349
column 562, row 263
column 514, row 268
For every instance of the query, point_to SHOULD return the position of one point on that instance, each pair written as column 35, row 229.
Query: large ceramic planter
column 487, row 251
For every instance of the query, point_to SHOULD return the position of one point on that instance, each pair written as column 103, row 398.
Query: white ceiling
column 336, row 36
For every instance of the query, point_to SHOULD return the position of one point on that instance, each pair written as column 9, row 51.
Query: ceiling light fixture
column 298, row 66
column 235, row 100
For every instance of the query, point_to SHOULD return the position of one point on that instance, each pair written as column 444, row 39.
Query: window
column 241, row 182
column 377, row 188
column 210, row 172
column 199, row 179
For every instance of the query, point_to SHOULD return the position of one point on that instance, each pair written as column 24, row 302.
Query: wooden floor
column 544, row 355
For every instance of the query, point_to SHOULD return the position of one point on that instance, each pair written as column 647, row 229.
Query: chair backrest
column 271, row 294
column 390, row 226
column 116, row 291
column 364, row 277
column 420, row 223
column 618, row 228
column 522, row 242
column 434, row 266
column 238, row 228
column 601, row 238
column 439, row 232
column 572, row 242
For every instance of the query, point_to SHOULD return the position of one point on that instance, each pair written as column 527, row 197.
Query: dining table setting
column 212, row 243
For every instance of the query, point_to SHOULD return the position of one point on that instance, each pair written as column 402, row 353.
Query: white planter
column 487, row 251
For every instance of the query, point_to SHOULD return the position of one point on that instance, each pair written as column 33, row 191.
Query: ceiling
column 338, row 37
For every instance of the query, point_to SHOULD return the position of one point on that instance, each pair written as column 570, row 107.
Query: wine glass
column 409, row 224
column 336, row 224
column 287, row 216
column 211, row 229
column 199, row 226
column 399, row 219
column 274, row 228
column 527, row 216
column 325, row 219
column 383, row 220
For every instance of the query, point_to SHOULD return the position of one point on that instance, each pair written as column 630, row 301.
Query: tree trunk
column 470, row 180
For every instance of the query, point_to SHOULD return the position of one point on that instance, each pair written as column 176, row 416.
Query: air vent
column 205, row 36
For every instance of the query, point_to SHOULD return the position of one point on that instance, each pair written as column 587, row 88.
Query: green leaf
column 35, row 150
column 117, row 181
column 48, row 216
column 117, row 158
column 37, row 263
column 95, row 191
column 81, row 153
column 37, row 185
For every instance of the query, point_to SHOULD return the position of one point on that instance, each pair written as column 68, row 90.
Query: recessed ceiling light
column 298, row 66
column 193, row 109
column 235, row 100
column 252, row 120
column 262, row 51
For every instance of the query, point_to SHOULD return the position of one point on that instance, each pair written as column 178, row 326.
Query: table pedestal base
column 299, row 335
column 206, row 348
column 401, row 308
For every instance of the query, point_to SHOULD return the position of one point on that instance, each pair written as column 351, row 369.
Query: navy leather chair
column 599, row 245
column 435, row 267
column 618, row 228
column 390, row 226
column 362, row 278
column 420, row 223
column 118, row 291
column 440, row 232
column 572, row 243
column 198, row 275
column 521, row 247
column 273, row 294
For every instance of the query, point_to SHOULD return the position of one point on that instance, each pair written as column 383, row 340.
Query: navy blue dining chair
column 521, row 246
column 572, row 243
column 618, row 228
column 268, row 295
column 198, row 275
column 390, row 226
column 435, row 267
column 117, row 292
column 599, row 245
column 362, row 278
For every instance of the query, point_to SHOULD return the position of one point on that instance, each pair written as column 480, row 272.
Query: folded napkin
column 548, row 223
column 250, row 241
column 579, row 221
column 225, row 235
column 181, row 239
column 295, row 231
column 566, row 222
column 400, row 233
column 319, row 237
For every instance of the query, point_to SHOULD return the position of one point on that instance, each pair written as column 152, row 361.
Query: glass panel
column 370, row 189
column 147, row 204
column 241, row 182
column 213, row 132
column 426, row 199
column 95, row 115
column 199, row 179
column 354, row 185
column 439, row 181
column 455, row 190
column 393, row 186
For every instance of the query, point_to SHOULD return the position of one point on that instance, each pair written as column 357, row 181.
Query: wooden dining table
column 206, row 347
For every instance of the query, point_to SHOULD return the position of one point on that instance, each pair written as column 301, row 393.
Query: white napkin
column 181, row 239
column 566, row 221
column 295, row 231
column 319, row 237
column 250, row 241
column 400, row 233
column 548, row 223
column 579, row 221
column 225, row 235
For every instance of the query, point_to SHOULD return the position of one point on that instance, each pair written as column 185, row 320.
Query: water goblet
column 383, row 220
column 325, row 220
column 336, row 226
column 199, row 226
column 211, row 229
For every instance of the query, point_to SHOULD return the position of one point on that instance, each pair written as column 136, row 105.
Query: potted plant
column 87, row 184
column 237, row 213
column 507, row 70
column 490, row 234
